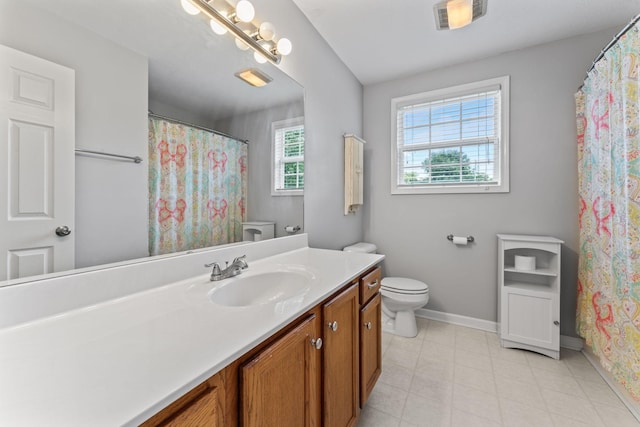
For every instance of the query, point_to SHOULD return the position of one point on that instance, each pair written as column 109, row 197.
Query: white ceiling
column 385, row 39
column 190, row 68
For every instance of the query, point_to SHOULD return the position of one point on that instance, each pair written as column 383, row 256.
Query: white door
column 37, row 178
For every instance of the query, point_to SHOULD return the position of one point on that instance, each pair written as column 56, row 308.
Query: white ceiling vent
column 442, row 19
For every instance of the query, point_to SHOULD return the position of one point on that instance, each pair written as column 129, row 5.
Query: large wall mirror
column 131, row 58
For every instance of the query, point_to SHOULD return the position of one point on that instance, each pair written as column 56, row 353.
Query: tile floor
column 455, row 376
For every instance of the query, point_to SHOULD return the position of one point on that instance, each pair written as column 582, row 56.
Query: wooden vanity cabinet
column 279, row 386
column 340, row 359
column 312, row 372
column 370, row 332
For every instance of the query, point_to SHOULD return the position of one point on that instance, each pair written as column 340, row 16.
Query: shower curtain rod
column 611, row 43
column 170, row 119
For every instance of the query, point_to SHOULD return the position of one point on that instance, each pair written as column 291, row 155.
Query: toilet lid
column 404, row 285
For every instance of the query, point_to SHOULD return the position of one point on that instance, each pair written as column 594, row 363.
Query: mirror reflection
column 157, row 85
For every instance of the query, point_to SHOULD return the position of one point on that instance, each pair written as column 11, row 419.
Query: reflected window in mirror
column 287, row 147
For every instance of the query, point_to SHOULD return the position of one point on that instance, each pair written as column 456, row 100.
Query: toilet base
column 403, row 325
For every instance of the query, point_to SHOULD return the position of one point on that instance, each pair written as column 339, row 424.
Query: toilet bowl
column 401, row 297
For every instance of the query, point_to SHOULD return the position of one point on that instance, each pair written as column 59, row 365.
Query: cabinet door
column 340, row 365
column 370, row 347
column 531, row 317
column 204, row 405
column 279, row 386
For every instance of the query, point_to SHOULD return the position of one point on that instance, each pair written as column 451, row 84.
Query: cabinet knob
column 372, row 284
column 555, row 322
column 333, row 325
column 367, row 325
column 317, row 343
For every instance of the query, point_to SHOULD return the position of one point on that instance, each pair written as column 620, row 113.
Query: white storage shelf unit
column 529, row 299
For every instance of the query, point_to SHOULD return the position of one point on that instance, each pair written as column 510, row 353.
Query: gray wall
column 111, row 106
column 333, row 107
column 256, row 128
column 411, row 229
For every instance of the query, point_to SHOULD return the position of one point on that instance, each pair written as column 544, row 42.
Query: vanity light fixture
column 254, row 77
column 261, row 38
column 453, row 14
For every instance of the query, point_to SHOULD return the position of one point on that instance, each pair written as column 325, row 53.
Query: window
column 452, row 140
column 287, row 177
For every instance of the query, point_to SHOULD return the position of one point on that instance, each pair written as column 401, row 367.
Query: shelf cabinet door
column 370, row 347
column 340, row 374
column 279, row 386
column 531, row 318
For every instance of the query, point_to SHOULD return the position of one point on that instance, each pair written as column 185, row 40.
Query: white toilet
column 401, row 297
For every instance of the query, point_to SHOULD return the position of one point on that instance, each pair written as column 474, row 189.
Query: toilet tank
column 364, row 247
column 258, row 230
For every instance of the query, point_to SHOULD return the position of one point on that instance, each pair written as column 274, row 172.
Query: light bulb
column 284, row 46
column 259, row 58
column 459, row 13
column 267, row 31
column 241, row 44
column 245, row 11
column 189, row 7
column 217, row 27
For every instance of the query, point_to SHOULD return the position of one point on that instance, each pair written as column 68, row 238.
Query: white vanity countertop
column 121, row 361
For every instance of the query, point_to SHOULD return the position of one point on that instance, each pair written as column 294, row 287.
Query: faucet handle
column 242, row 260
column 216, row 268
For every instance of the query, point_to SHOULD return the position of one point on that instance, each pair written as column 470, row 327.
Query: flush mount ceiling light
column 261, row 38
column 254, row 77
column 452, row 14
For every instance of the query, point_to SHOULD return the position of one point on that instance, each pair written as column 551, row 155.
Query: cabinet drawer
column 370, row 285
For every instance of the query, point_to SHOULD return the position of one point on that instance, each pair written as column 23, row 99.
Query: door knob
column 333, row 325
column 555, row 322
column 63, row 231
column 367, row 325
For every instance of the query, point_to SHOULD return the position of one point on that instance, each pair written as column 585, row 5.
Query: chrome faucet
column 236, row 267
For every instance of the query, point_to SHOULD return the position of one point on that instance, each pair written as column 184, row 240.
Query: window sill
column 451, row 189
column 287, row 193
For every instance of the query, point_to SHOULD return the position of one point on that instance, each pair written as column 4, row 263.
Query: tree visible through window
column 288, row 157
column 452, row 140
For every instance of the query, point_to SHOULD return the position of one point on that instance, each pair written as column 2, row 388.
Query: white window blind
column 288, row 157
column 451, row 140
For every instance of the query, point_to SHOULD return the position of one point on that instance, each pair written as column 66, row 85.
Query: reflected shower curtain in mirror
column 197, row 187
column 608, row 306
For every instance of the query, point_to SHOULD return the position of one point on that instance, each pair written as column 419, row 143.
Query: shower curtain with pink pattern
column 197, row 187
column 608, row 306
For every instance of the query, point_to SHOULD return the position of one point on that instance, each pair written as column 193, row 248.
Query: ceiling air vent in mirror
column 443, row 21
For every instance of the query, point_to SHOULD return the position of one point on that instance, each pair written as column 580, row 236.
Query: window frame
column 502, row 155
column 276, row 126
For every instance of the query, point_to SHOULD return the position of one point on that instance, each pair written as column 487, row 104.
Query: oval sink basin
column 262, row 288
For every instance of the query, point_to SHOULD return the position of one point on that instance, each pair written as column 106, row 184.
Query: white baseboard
column 572, row 343
column 456, row 319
